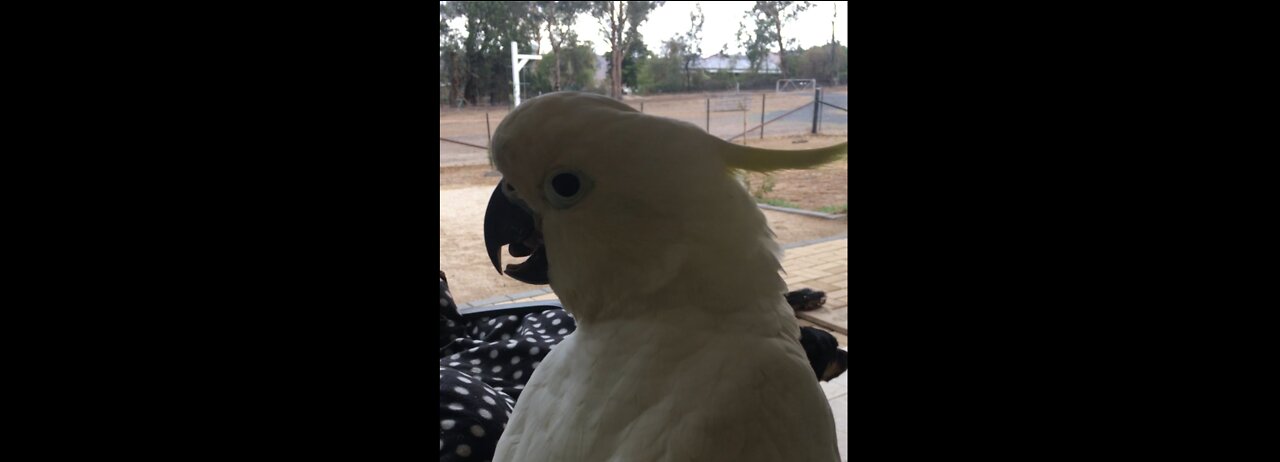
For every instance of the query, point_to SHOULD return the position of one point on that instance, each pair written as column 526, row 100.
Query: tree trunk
column 615, row 89
column 835, row 64
column 688, row 75
column 619, row 23
column 782, row 48
column 471, row 49
column 615, row 58
column 555, row 49
column 455, row 78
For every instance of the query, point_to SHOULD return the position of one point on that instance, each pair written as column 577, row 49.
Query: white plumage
column 685, row 348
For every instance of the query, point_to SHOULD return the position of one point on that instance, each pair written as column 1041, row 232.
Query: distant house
column 602, row 74
column 737, row 64
column 602, row 71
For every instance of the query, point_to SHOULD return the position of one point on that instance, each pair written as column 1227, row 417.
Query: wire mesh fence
column 730, row 116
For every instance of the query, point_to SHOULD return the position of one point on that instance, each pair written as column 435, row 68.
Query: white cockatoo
column 685, row 348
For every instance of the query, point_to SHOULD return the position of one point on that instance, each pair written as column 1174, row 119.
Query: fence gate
column 788, row 85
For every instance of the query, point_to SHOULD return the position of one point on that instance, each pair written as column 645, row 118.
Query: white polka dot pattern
column 485, row 363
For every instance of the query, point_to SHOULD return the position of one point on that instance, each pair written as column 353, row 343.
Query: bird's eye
column 565, row 187
column 565, row 184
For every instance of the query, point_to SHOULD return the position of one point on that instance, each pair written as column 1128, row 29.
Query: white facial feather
column 663, row 202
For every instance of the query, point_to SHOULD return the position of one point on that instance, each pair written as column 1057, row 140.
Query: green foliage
column 475, row 59
column 757, row 48
column 766, row 186
column 635, row 58
column 749, row 81
column 692, row 46
column 769, row 18
column 835, row 209
column 675, row 69
column 620, row 21
column 479, row 66
column 779, row 203
column 815, row 63
column 577, row 69
column 663, row 74
column 559, row 18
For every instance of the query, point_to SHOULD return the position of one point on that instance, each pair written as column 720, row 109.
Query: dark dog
column 825, row 356
column 806, row 299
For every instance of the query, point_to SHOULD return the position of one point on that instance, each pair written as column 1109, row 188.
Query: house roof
column 736, row 63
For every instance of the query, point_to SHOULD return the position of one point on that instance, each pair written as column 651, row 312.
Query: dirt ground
column 462, row 176
column 464, row 193
column 813, row 189
column 469, row 124
column 462, row 254
column 825, row 186
column 466, row 181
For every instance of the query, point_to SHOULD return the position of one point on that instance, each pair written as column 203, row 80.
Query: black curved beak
column 506, row 223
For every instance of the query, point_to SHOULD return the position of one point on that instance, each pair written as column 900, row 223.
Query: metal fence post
column 489, row 133
column 762, row 96
column 822, row 103
column 817, row 96
column 708, row 115
column 642, row 107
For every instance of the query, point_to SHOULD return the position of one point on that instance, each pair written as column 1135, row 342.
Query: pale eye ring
column 564, row 188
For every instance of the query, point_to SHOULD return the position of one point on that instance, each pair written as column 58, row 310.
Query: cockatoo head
column 604, row 198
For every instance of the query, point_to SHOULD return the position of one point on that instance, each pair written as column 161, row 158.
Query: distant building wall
column 737, row 64
column 602, row 71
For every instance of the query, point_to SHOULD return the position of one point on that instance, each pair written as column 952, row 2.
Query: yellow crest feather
column 766, row 160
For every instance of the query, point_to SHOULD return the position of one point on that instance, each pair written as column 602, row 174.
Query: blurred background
column 768, row 74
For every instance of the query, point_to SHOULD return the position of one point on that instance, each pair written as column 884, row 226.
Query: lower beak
column 505, row 223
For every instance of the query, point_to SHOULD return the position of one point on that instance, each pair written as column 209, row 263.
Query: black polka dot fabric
column 485, row 362
column 451, row 323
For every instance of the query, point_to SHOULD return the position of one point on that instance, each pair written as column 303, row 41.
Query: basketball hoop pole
column 518, row 61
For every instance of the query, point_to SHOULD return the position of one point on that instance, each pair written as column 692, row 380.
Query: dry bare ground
column 468, row 124
column 472, row 277
column 466, row 179
column 465, row 190
column 813, row 189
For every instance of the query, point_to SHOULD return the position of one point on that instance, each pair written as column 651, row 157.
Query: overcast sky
column 812, row 28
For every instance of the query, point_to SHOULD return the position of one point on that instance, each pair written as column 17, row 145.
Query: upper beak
column 506, row 223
